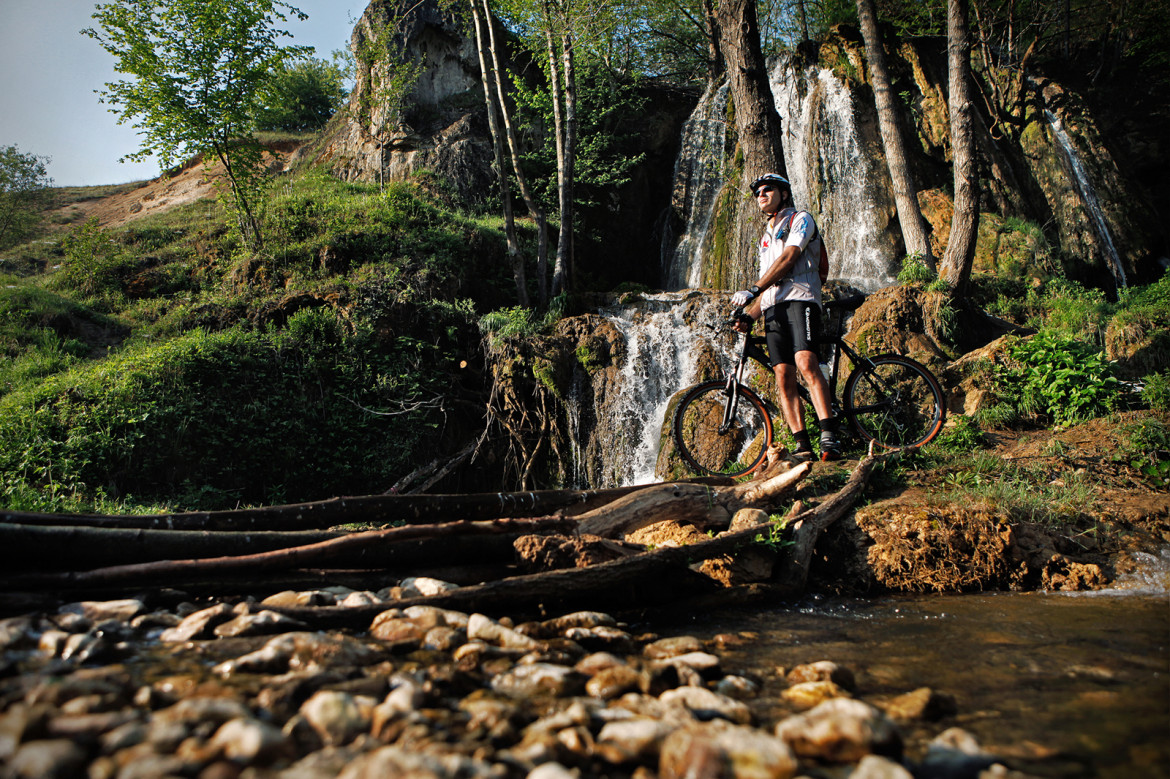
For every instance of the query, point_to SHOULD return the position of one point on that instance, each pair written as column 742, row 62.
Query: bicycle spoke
column 715, row 438
column 895, row 402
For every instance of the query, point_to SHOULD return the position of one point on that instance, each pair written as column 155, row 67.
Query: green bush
column 1156, row 392
column 1061, row 378
column 962, row 436
column 914, row 271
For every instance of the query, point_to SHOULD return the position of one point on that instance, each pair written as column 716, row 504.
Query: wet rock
column 822, row 671
column 198, row 625
column 613, row 682
column 702, row 662
column 156, row 619
column 249, row 741
column 633, row 740
column 202, row 710
column 842, row 731
column 324, row 763
column 291, row 599
column 337, row 717
column 405, row 699
column 302, row 651
column 578, row 619
column 262, row 623
column 398, row 631
column 433, row 615
column 955, row 754
column 539, row 679
column 100, row 611
column 48, row 759
column 124, row 737
column 88, row 726
column 52, row 642
column 706, row 705
column 443, row 639
column 739, row 687
column 807, row 695
column 597, row 662
column 921, row 704
column 721, row 750
column 602, row 637
column 482, row 628
column 672, row 647
column 552, row 770
column 359, row 598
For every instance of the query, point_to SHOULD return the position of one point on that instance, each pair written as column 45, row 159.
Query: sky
column 49, row 71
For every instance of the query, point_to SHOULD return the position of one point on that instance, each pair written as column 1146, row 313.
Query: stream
column 1068, row 685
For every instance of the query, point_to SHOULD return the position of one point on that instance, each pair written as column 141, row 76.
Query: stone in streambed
column 338, row 717
column 842, row 730
column 48, row 759
column 822, row 671
column 808, row 695
column 539, row 679
column 262, row 623
column 720, row 749
column 705, row 704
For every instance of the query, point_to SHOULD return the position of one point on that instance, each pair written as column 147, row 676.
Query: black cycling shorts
column 791, row 326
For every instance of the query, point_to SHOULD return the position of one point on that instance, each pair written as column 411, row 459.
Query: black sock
column 802, row 442
column 830, row 425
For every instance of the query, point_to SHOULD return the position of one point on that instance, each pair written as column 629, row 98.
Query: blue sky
column 49, row 71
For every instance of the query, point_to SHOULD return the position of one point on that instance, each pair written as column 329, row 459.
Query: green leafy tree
column 24, row 190
column 196, row 70
column 301, row 96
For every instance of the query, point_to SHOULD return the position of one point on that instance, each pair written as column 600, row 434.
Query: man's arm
column 780, row 267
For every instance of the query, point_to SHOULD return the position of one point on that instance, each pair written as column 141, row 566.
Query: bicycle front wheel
column 895, row 402
column 717, row 439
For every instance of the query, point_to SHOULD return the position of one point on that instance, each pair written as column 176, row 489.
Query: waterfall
column 833, row 175
column 698, row 177
column 668, row 337
column 1088, row 195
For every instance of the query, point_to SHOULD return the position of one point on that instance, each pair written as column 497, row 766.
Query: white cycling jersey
column 803, row 282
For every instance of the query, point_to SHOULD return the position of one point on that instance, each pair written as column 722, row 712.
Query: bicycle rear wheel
column 713, row 441
column 895, row 402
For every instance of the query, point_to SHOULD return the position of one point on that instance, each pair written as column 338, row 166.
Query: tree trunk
column 534, row 209
column 488, row 77
column 915, row 230
column 960, row 253
column 756, row 120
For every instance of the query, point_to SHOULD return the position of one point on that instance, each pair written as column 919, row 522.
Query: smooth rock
column 721, row 750
column 613, row 682
column 395, row 761
column 552, row 770
column 398, row 631
column 448, row 617
column 842, row 730
column 705, row 704
column 59, row 758
column 631, row 740
column 597, row 662
column 823, row 671
column 955, row 754
column 672, row 647
column 291, row 599
column 923, row 703
column 416, row 586
column 482, row 628
column 337, row 717
column 877, row 767
column 739, row 687
column 101, row 610
column 744, row 519
column 262, row 623
column 359, row 598
column 807, row 695
column 443, row 639
column 198, row 625
column 539, row 679
column 248, row 740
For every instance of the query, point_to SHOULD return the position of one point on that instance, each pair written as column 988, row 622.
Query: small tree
column 301, row 96
column 24, row 189
column 197, row 67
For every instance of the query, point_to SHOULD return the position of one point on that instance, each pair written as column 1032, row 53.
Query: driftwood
column 702, row 506
column 364, row 550
column 376, row 509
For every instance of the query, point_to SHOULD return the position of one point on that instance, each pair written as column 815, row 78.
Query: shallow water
column 1056, row 684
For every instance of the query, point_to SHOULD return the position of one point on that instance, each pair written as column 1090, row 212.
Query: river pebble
column 428, row 692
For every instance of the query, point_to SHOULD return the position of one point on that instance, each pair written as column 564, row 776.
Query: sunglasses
column 764, row 190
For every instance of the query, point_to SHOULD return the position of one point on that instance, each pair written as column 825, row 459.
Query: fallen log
column 374, row 509
column 701, row 505
column 369, row 550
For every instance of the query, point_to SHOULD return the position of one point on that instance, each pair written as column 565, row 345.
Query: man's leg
column 793, row 410
column 818, row 389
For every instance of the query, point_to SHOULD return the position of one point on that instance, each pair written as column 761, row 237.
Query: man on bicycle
column 788, row 296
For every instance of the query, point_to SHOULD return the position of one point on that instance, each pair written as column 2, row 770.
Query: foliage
column 24, row 192
column 300, row 96
column 961, row 436
column 197, row 68
column 504, row 324
column 1058, row 377
column 1146, row 449
column 1156, row 392
column 212, row 419
column 94, row 261
column 1026, row 492
column 914, row 270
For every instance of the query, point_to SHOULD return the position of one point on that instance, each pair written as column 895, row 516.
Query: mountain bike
column 723, row 427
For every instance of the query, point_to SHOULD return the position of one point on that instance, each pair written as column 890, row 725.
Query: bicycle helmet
column 774, row 179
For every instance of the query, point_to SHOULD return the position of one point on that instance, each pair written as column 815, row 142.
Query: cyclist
column 788, row 296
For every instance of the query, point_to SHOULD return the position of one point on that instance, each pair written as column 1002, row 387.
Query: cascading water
column 1088, row 195
column 832, row 174
column 668, row 336
column 698, row 177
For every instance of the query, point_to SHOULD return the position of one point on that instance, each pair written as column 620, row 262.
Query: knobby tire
column 739, row 451
column 895, row 402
